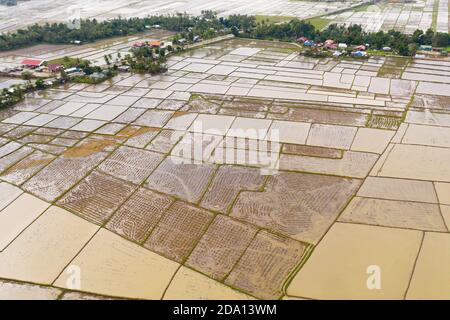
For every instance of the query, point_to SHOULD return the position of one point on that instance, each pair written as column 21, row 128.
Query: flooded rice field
column 384, row 15
column 405, row 17
column 94, row 52
column 31, row 12
column 244, row 172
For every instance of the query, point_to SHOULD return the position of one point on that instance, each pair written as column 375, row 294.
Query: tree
column 176, row 38
column 40, row 84
column 418, row 37
column 235, row 31
column 440, row 39
column 403, row 50
column 27, row 75
column 428, row 37
column 66, row 60
column 191, row 36
column 63, row 75
column 88, row 70
column 206, row 25
column 412, row 47
column 209, row 14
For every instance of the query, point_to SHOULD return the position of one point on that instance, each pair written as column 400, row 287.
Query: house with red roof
column 54, row 67
column 330, row 44
column 32, row 63
column 154, row 43
column 138, row 44
column 302, row 39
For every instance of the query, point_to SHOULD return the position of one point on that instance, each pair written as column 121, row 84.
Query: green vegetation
column 362, row 8
column 402, row 44
column 376, row 52
column 87, row 73
column 67, row 62
column 435, row 14
column 27, row 75
column 152, row 60
column 95, row 78
column 10, row 96
column 318, row 23
column 82, row 65
column 147, row 60
column 316, row 53
column 209, row 25
column 92, row 30
column 389, row 72
column 272, row 19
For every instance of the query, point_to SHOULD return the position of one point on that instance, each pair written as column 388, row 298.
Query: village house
column 165, row 45
column 32, row 63
column 53, row 67
column 139, row 44
column 150, row 43
column 154, row 43
column 425, row 48
column 330, row 44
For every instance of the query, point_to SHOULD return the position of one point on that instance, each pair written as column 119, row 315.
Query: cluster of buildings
column 430, row 51
column 49, row 70
column 164, row 45
column 155, row 44
column 39, row 65
column 337, row 48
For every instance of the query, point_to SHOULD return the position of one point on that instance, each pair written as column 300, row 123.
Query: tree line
column 91, row 29
column 147, row 60
column 353, row 35
column 208, row 24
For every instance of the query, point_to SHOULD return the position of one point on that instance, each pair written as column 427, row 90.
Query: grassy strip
column 362, row 8
column 307, row 253
column 318, row 23
column 435, row 15
column 272, row 19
